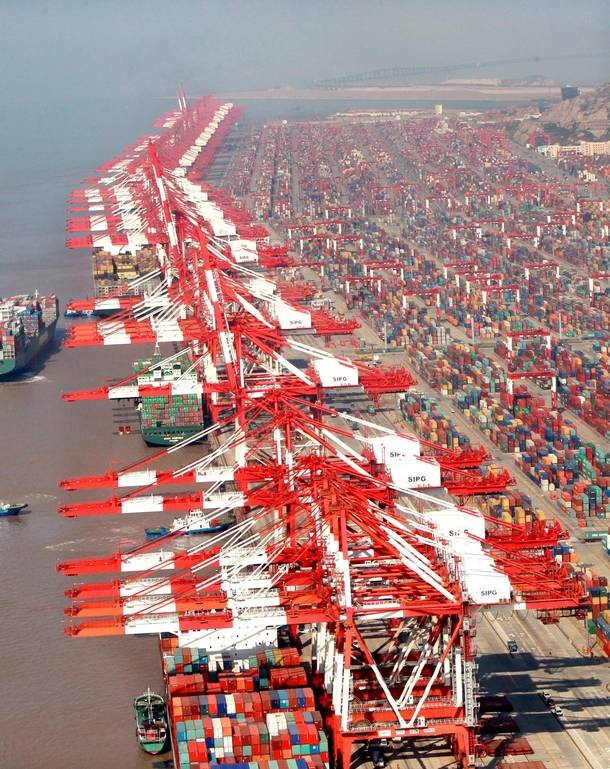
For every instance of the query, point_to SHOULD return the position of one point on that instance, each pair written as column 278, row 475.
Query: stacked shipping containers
column 112, row 273
column 23, row 318
column 166, row 419
column 259, row 709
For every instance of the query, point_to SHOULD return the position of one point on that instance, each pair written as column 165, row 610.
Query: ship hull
column 151, row 723
column 169, row 435
column 155, row 532
column 208, row 530
column 153, row 748
column 37, row 345
column 12, row 509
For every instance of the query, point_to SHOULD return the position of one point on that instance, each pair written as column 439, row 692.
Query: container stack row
column 456, row 365
column 430, row 423
column 511, row 507
column 546, row 444
column 602, row 631
column 174, row 410
column 597, row 590
column 584, row 387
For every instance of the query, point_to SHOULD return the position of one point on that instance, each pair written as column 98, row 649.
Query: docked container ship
column 240, row 707
column 167, row 419
column 126, row 273
column 27, row 327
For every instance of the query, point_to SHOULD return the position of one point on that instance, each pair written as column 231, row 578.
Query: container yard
column 389, row 339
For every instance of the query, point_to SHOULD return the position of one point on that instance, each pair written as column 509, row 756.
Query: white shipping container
column 334, row 373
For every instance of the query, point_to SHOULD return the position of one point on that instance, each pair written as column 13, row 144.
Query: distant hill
column 585, row 118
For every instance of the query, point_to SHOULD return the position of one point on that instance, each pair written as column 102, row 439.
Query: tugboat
column 151, row 722
column 8, row 508
column 195, row 522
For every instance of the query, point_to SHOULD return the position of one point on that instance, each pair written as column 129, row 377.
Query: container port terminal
column 377, row 345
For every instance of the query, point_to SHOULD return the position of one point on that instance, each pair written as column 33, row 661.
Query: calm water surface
column 67, row 702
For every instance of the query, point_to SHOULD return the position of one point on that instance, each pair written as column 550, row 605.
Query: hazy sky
column 66, row 49
column 80, row 79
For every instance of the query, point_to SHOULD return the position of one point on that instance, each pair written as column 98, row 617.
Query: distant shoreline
column 406, row 93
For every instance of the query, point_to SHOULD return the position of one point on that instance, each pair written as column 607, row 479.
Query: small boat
column 8, row 508
column 151, row 722
column 154, row 532
column 195, row 522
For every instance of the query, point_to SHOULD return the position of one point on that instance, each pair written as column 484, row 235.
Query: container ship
column 27, row 327
column 121, row 278
column 167, row 419
column 242, row 706
column 126, row 274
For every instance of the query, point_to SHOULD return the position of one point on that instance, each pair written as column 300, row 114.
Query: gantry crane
column 337, row 530
column 540, row 374
column 535, row 333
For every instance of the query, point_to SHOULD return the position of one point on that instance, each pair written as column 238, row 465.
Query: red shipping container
column 288, row 677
